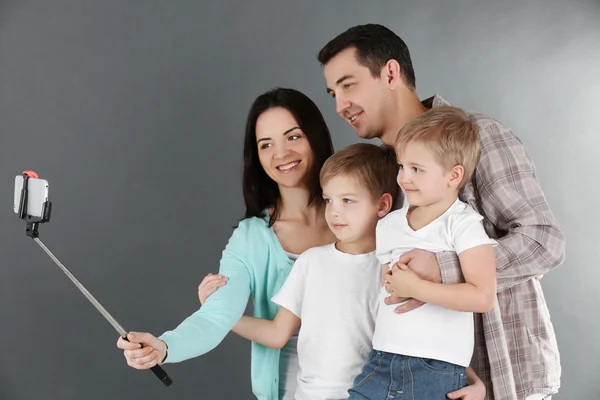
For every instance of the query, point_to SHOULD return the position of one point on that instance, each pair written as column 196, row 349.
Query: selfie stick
column 31, row 230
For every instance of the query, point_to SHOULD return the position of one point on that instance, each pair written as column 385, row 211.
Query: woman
column 286, row 143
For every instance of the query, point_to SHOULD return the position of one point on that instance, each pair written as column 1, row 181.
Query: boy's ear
column 385, row 205
column 456, row 175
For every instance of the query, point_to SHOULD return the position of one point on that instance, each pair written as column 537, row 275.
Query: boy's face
column 360, row 99
column 422, row 179
column 350, row 210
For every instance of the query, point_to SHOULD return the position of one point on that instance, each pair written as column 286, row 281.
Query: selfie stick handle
column 32, row 231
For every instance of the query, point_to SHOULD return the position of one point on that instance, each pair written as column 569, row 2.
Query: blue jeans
column 393, row 376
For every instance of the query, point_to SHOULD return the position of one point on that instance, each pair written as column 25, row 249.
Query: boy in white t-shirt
column 334, row 289
column 424, row 354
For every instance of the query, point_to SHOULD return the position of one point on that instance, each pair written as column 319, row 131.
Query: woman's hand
column 209, row 285
column 143, row 350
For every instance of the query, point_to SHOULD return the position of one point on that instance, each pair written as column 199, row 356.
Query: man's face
column 360, row 99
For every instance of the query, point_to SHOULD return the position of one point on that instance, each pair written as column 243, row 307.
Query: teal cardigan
column 256, row 264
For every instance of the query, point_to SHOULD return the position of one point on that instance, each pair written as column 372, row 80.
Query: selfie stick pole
column 32, row 231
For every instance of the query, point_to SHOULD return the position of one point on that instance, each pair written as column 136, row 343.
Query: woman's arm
column 274, row 334
column 206, row 328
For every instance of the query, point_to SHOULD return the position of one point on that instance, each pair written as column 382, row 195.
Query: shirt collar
column 435, row 101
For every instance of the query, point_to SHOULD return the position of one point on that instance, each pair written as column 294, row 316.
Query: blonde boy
column 424, row 354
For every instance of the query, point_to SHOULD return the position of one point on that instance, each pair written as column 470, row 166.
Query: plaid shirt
column 516, row 354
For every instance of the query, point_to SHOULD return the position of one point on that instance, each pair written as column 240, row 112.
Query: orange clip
column 31, row 174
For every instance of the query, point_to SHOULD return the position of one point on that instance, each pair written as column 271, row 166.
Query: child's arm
column 383, row 247
column 478, row 294
column 385, row 270
column 274, row 334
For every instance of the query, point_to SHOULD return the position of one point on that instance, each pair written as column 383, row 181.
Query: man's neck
column 407, row 108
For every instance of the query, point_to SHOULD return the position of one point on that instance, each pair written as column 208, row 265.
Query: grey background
column 135, row 112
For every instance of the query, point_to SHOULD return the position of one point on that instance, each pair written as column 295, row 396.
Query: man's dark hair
column 375, row 45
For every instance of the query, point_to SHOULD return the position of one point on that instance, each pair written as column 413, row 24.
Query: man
column 369, row 72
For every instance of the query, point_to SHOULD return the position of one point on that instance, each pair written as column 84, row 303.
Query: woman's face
column 283, row 149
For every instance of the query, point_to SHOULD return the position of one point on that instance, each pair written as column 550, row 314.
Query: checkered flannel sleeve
column 530, row 242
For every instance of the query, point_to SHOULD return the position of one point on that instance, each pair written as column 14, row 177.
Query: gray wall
column 135, row 113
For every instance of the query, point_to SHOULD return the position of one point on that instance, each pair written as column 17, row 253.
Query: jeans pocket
column 370, row 368
column 462, row 379
column 438, row 366
column 372, row 354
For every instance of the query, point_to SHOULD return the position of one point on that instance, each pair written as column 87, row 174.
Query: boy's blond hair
column 449, row 134
column 374, row 166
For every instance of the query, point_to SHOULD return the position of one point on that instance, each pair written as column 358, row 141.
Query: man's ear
column 392, row 75
column 385, row 205
column 456, row 175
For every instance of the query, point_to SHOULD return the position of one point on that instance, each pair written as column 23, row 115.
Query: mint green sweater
column 256, row 264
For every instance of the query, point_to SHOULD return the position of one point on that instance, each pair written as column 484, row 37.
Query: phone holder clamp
column 33, row 223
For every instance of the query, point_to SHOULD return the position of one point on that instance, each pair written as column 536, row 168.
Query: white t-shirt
column 429, row 331
column 335, row 295
column 288, row 362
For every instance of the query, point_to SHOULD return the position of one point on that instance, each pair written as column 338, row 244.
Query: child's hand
column 403, row 281
column 209, row 285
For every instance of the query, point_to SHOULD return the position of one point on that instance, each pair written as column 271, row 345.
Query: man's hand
column 474, row 391
column 424, row 264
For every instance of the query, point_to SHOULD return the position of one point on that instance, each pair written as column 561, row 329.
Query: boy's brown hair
column 449, row 134
column 374, row 166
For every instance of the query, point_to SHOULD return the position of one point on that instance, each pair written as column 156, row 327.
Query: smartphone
column 37, row 195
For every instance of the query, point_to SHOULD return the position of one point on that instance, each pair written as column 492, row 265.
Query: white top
column 288, row 361
column 429, row 331
column 335, row 295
